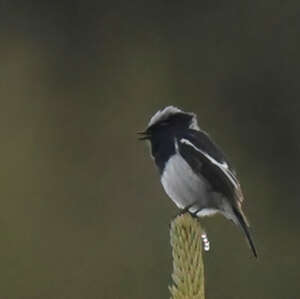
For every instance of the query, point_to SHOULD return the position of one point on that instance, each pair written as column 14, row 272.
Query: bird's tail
column 243, row 223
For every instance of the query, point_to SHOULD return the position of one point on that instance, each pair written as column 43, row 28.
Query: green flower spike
column 188, row 271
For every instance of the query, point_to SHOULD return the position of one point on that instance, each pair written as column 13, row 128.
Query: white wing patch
column 223, row 166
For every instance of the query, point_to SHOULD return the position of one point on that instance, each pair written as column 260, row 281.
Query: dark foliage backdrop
column 82, row 212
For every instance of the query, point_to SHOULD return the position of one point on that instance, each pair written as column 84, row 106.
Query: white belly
column 182, row 185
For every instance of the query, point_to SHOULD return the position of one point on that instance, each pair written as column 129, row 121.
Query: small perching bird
column 193, row 169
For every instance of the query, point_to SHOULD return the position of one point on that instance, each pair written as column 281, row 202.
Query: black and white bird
column 193, row 170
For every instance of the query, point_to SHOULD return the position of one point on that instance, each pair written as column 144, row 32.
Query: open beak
column 144, row 135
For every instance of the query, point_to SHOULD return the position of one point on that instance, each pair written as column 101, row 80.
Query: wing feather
column 215, row 169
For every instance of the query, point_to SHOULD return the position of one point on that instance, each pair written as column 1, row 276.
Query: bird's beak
column 144, row 135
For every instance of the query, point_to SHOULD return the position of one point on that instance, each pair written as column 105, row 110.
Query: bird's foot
column 185, row 209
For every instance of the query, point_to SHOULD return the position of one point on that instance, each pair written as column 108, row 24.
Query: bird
column 194, row 171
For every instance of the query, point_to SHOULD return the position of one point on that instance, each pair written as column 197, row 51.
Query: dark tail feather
column 242, row 221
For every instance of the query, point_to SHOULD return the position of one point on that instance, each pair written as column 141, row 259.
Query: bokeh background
column 82, row 212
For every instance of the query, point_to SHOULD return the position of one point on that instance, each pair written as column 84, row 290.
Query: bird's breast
column 181, row 184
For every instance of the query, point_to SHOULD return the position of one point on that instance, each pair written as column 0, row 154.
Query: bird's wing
column 205, row 158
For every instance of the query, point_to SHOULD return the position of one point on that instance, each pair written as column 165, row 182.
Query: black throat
column 163, row 148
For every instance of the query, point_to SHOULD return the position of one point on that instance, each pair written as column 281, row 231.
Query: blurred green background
column 82, row 211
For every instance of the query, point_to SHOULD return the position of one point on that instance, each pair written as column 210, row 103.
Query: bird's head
column 168, row 120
